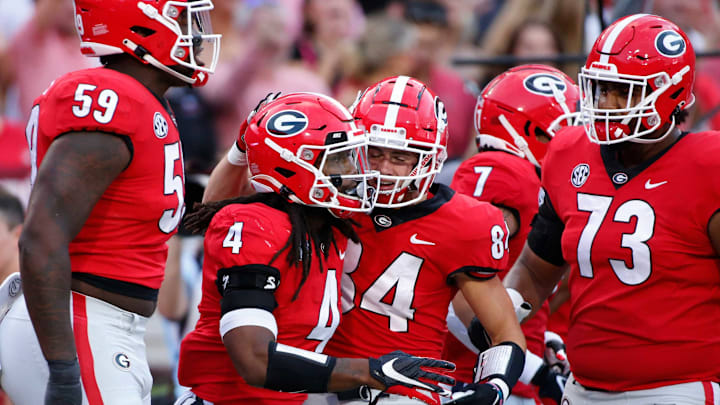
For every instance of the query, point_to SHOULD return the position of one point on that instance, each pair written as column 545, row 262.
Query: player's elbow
column 249, row 357
column 253, row 373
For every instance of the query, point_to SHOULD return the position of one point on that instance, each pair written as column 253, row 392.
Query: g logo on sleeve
column 287, row 123
column 669, row 43
column 543, row 84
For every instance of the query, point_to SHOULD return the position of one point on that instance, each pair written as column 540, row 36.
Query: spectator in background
column 44, row 48
column 255, row 62
column 327, row 42
column 384, row 50
column 430, row 63
column 531, row 38
column 567, row 14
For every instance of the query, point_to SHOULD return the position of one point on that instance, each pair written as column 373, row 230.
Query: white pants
column 110, row 346
column 693, row 393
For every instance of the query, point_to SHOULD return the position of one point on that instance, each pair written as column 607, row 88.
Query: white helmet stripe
column 612, row 36
column 395, row 97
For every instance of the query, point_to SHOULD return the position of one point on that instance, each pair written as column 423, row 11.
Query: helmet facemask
column 430, row 159
column 631, row 122
column 190, row 21
column 342, row 178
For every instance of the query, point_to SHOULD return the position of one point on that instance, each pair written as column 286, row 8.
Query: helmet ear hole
column 142, row 31
column 285, row 172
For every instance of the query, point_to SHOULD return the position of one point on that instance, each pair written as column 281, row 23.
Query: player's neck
column 157, row 81
column 632, row 154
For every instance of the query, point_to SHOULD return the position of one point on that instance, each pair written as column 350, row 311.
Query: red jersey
column 644, row 278
column 512, row 182
column 124, row 236
column 399, row 295
column 242, row 234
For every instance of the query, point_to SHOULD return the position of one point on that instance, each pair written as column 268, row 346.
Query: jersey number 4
column 598, row 207
column 329, row 314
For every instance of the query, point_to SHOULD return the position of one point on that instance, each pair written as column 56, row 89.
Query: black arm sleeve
column 248, row 286
column 545, row 237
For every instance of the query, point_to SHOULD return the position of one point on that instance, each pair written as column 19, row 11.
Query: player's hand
column 476, row 394
column 63, row 386
column 243, row 126
column 551, row 383
column 401, row 369
column 555, row 356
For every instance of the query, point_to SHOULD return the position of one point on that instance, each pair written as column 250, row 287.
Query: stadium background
column 335, row 47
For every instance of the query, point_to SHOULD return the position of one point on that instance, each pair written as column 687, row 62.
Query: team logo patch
column 287, row 123
column 121, row 361
column 620, row 178
column 382, row 220
column 580, row 174
column 669, row 43
column 544, row 83
column 160, row 126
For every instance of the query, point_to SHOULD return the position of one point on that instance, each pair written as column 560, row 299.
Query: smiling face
column 394, row 166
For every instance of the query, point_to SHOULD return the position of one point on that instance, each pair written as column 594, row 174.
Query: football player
column 273, row 264
column 108, row 192
column 634, row 209
column 421, row 244
column 517, row 113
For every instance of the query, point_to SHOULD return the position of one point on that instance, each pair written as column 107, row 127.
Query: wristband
column 237, row 157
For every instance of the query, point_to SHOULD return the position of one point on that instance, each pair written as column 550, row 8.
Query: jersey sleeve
column 240, row 235
column 85, row 102
column 483, row 248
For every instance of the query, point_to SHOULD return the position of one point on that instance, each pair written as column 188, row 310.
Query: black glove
column 477, row 394
column 555, row 355
column 478, row 335
column 63, row 385
column 400, row 368
column 551, row 382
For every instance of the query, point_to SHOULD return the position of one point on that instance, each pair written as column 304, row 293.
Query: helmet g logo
column 543, row 84
column 287, row 123
column 670, row 43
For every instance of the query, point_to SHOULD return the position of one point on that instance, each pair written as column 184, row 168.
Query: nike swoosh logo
column 414, row 240
column 342, row 255
column 649, row 185
column 389, row 371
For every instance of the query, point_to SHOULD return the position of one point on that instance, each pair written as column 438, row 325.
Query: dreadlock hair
column 311, row 231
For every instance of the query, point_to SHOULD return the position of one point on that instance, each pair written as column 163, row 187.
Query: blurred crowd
column 336, row 47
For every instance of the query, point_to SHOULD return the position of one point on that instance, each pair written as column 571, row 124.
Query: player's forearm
column 533, row 278
column 227, row 181
column 351, row 373
column 46, row 275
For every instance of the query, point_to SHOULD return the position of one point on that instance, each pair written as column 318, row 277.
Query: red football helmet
column 651, row 58
column 402, row 113
column 521, row 104
column 306, row 146
column 169, row 35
